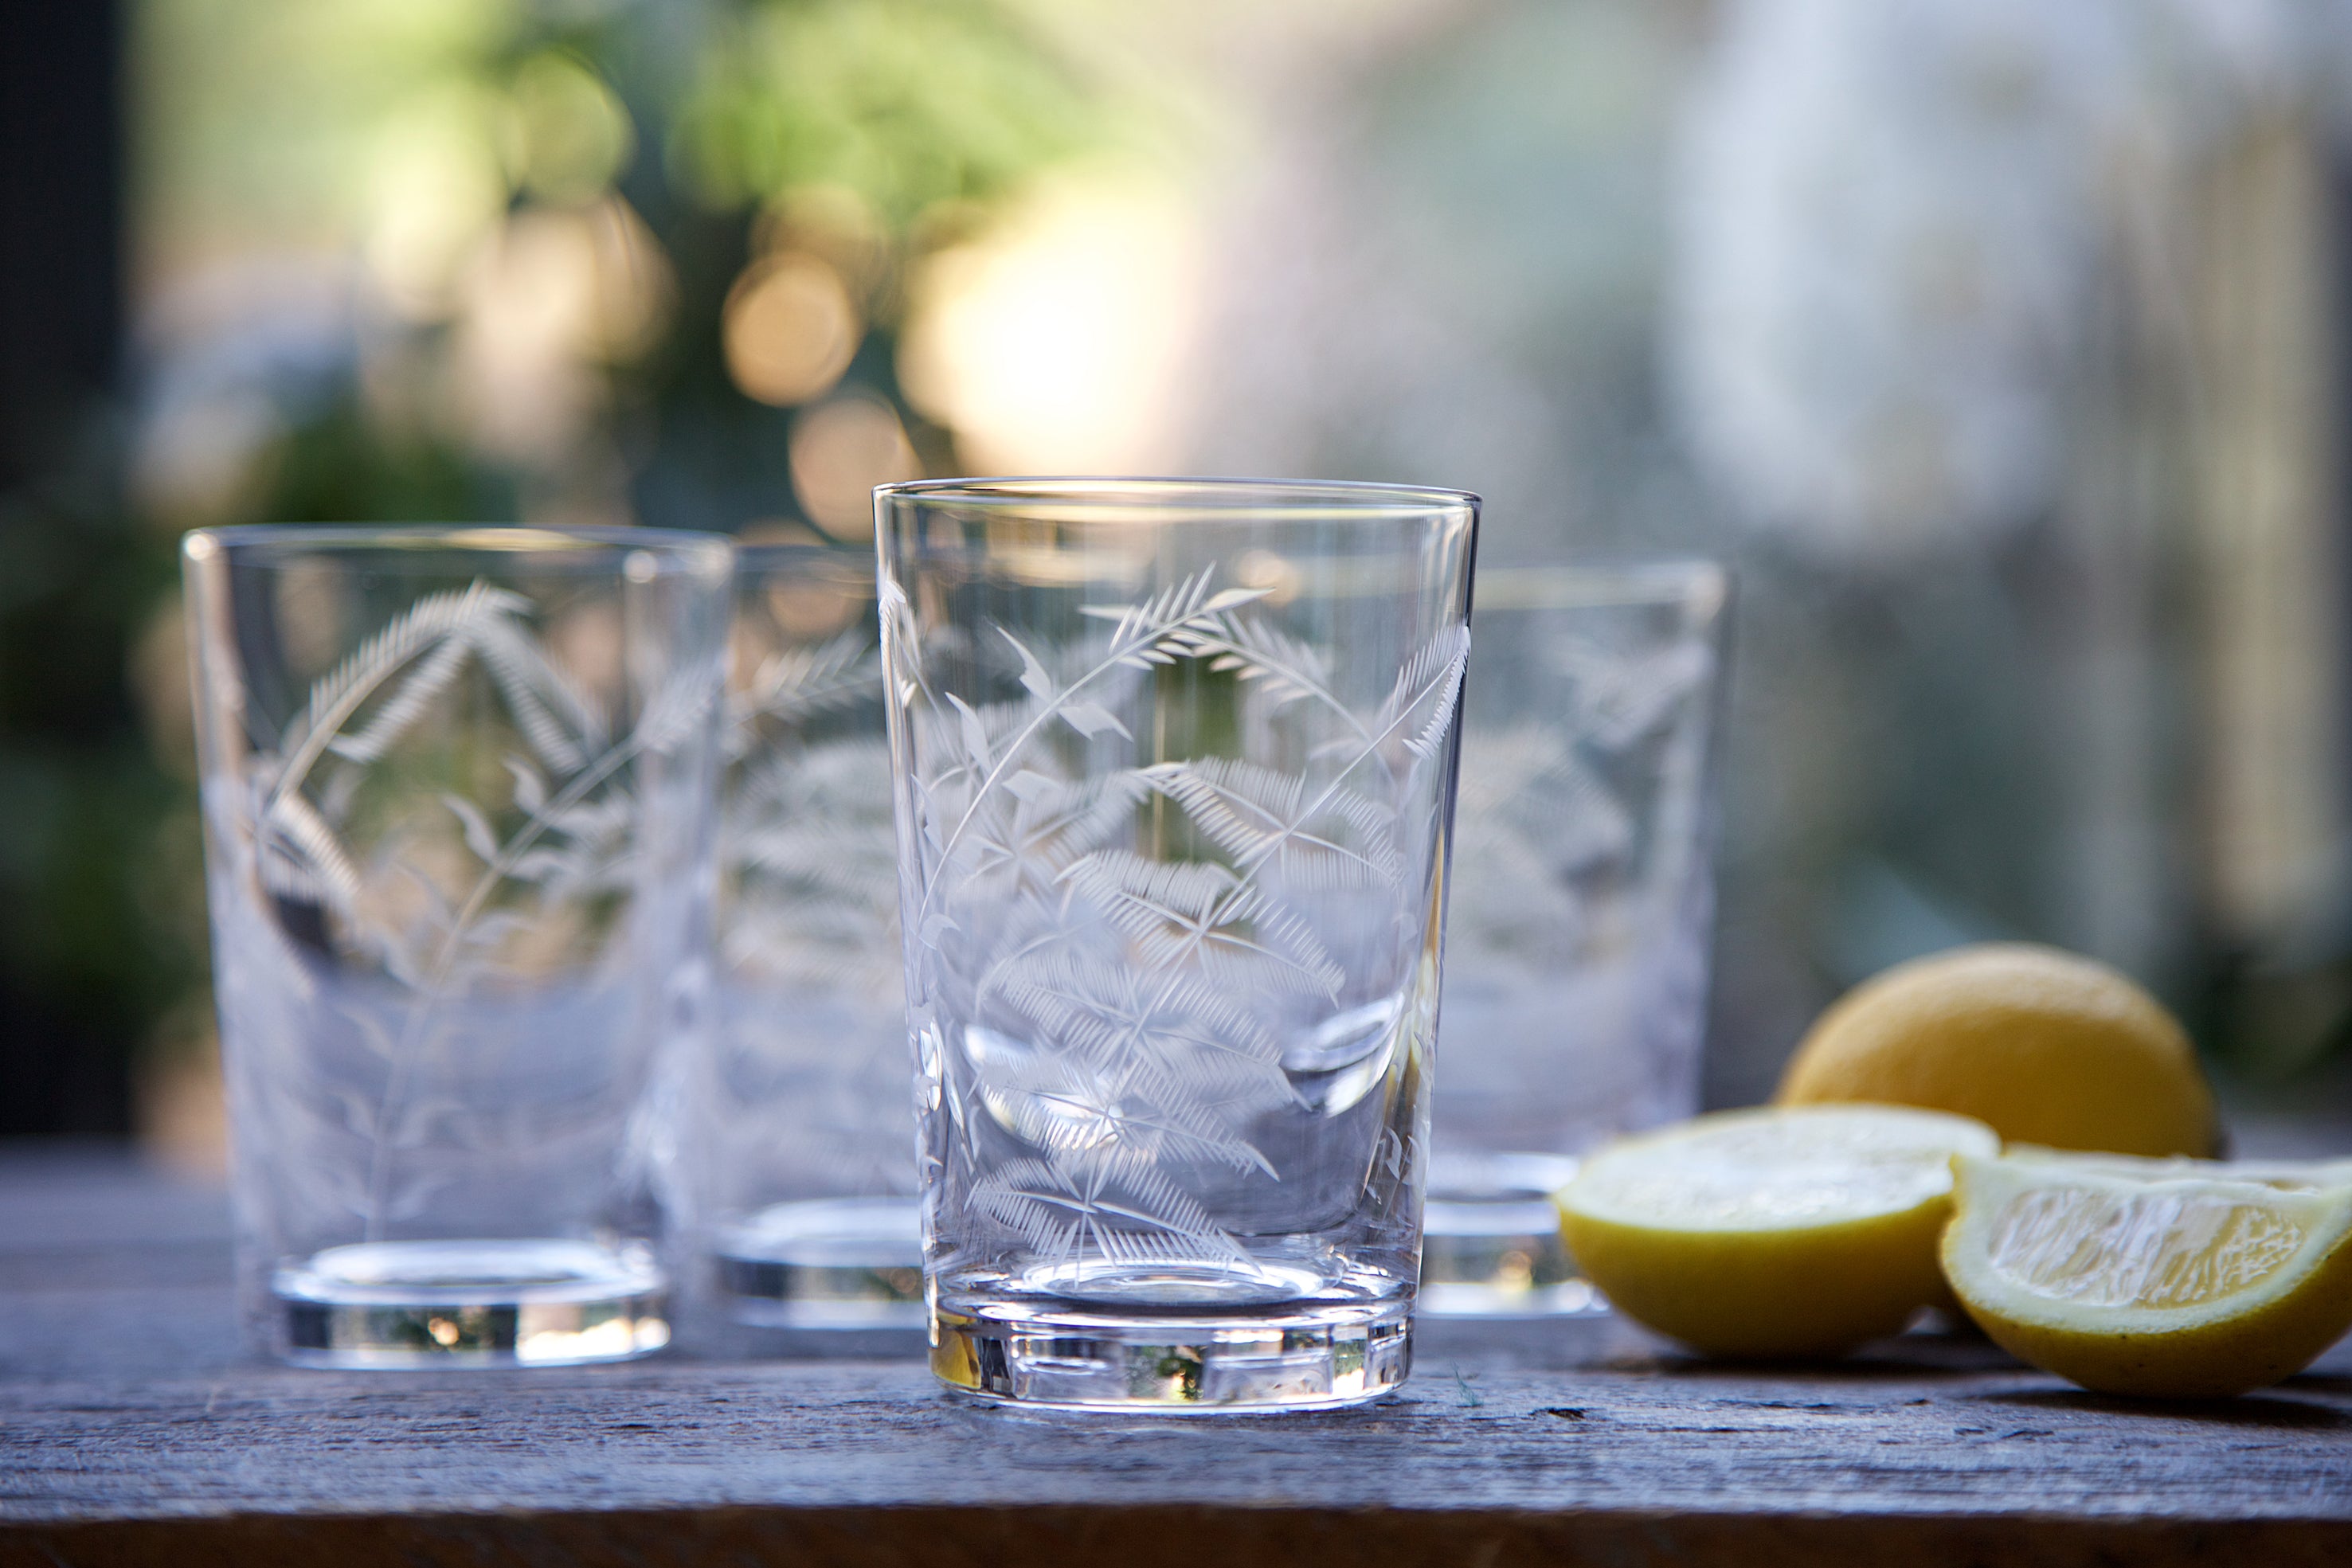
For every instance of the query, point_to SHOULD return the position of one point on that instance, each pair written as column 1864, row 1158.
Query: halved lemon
column 2130, row 1282
column 1794, row 1231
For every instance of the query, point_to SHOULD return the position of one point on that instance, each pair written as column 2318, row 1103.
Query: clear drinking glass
column 457, row 801
column 1576, row 963
column 1175, row 765
column 810, row 1159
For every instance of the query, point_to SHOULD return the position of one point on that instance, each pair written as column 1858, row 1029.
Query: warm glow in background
column 1997, row 344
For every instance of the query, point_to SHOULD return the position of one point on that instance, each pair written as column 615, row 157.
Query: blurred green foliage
column 915, row 116
column 912, row 103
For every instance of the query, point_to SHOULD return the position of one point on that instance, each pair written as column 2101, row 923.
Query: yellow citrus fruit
column 2041, row 1046
column 2181, row 1286
column 1796, row 1232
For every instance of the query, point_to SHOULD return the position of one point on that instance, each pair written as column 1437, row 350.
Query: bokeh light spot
column 567, row 135
column 789, row 329
column 434, row 190
column 840, row 451
column 557, row 290
column 1056, row 343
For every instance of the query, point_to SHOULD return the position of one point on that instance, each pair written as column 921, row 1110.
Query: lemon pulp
column 2140, row 1282
column 2297, row 1176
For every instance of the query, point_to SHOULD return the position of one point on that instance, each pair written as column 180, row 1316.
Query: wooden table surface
column 132, row 1430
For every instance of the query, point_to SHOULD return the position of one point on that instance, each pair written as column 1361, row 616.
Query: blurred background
column 2001, row 347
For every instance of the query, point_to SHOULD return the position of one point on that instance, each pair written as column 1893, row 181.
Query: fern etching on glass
column 438, row 1008
column 1171, row 939
column 812, row 1062
column 1577, row 947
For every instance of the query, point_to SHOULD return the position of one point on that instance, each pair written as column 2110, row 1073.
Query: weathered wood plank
column 1626, row 1436
column 1168, row 1537
column 133, row 1431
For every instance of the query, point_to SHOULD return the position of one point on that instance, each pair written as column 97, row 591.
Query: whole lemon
column 2043, row 1046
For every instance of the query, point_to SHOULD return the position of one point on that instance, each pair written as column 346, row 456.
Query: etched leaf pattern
column 1126, row 1015
column 1580, row 902
column 1553, row 806
column 465, row 895
column 809, row 1062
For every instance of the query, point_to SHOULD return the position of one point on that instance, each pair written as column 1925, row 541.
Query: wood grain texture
column 1166, row 1537
column 133, row 1431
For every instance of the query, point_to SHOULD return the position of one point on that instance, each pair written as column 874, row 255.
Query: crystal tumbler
column 809, row 1160
column 458, row 802
column 1577, row 965
column 1175, row 765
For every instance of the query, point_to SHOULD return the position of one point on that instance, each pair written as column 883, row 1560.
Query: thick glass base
column 1171, row 1344
column 1490, row 1241
column 829, row 1263
column 522, row 1303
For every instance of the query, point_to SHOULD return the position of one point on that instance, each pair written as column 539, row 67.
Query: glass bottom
column 1490, row 1241
column 1170, row 1338
column 522, row 1303
column 826, row 1263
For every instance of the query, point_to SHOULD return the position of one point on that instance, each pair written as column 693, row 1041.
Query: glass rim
column 695, row 549
column 755, row 555
column 834, row 567
column 1699, row 583
column 1185, row 498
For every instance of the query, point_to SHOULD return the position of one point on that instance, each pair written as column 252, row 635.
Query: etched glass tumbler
column 457, row 801
column 1175, row 766
column 810, row 1161
column 1582, row 895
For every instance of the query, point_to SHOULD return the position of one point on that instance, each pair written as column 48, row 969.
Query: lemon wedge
column 1796, row 1231
column 2129, row 1281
